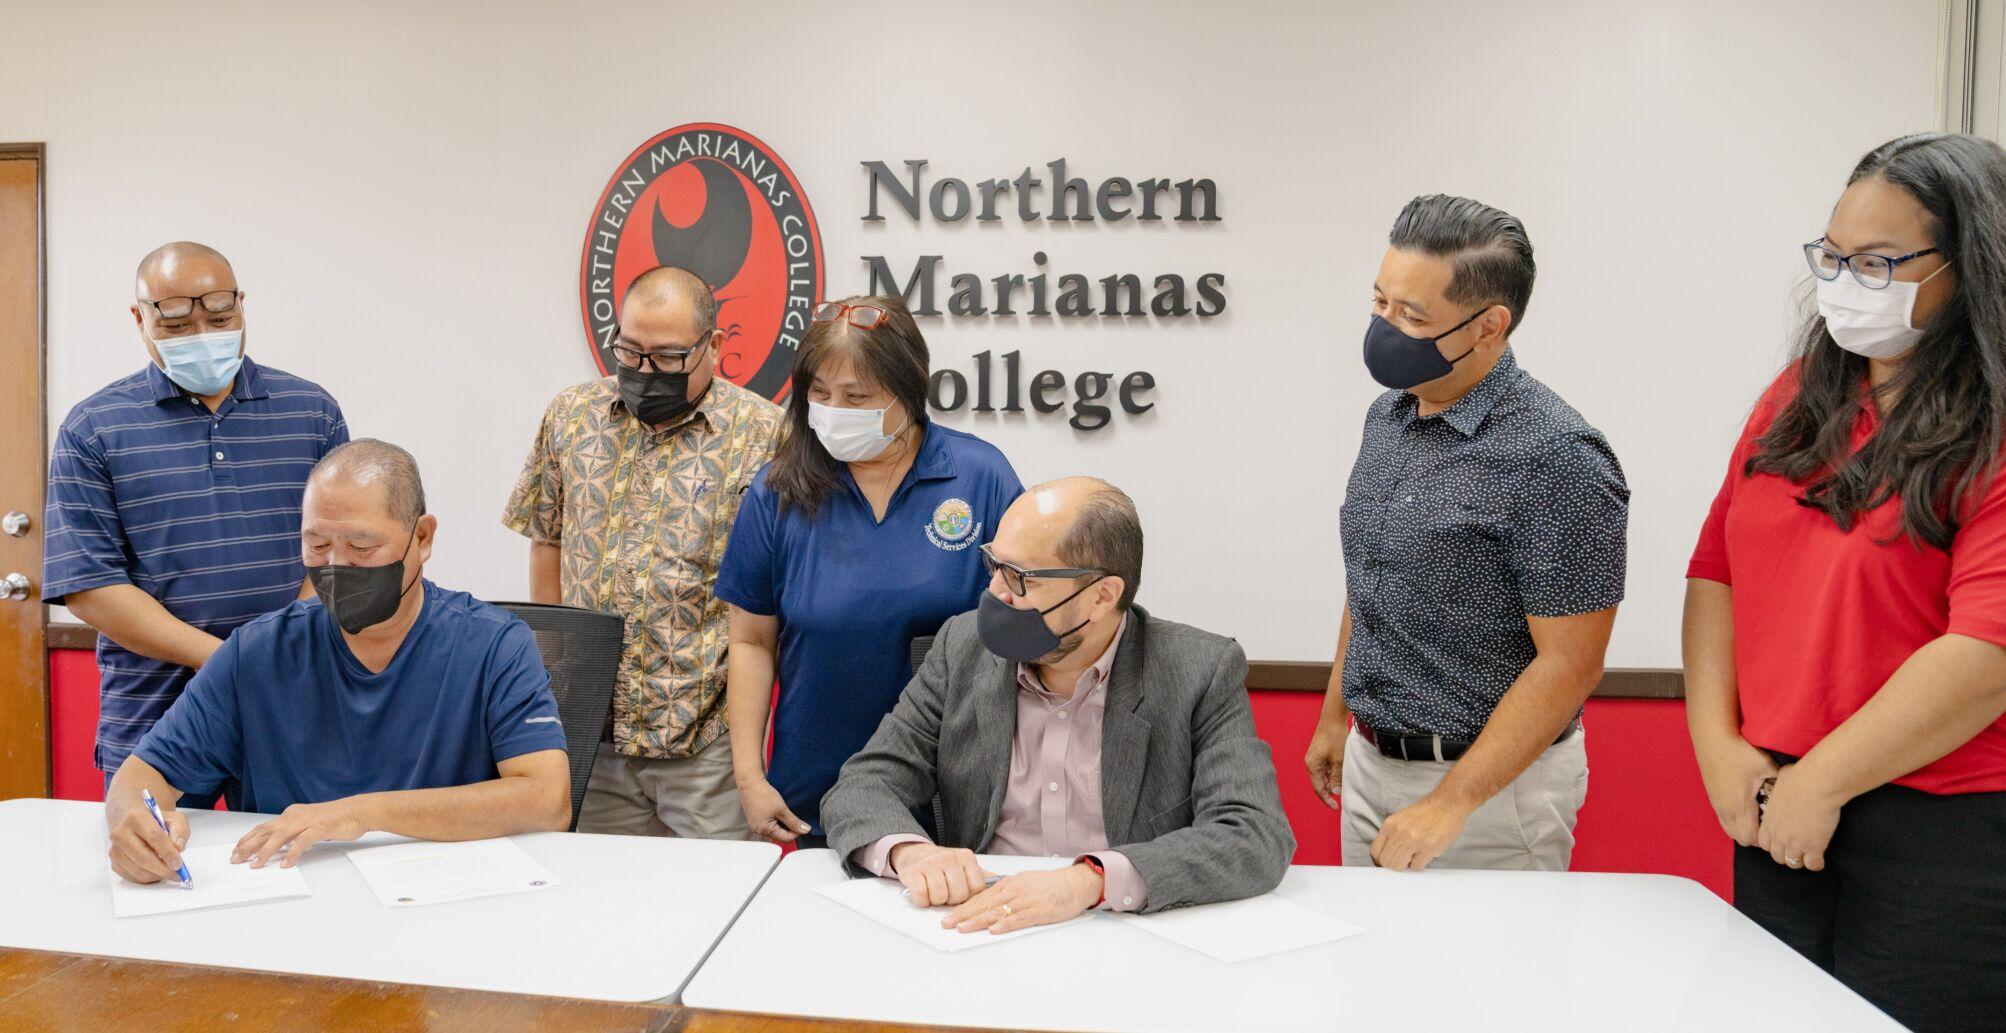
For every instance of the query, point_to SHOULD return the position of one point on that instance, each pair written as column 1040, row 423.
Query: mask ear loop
column 894, row 435
column 1070, row 598
column 1473, row 318
column 1908, row 316
column 408, row 542
column 1947, row 263
column 907, row 425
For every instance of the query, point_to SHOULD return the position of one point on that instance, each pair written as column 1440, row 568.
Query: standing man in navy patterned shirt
column 174, row 494
column 1484, row 534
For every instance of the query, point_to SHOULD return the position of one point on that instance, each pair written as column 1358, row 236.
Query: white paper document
column 1241, row 930
column 884, row 901
column 1018, row 864
column 218, row 883
column 417, row 874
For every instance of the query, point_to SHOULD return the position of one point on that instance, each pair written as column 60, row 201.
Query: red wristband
column 1099, row 869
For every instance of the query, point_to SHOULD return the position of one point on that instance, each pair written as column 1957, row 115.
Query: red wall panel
column 1285, row 720
column 1646, row 810
column 73, row 724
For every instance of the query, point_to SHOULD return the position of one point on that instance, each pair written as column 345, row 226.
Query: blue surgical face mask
column 202, row 364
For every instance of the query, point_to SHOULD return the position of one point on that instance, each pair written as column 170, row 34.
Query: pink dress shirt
column 1052, row 806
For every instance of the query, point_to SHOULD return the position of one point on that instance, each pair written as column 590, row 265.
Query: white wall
column 403, row 188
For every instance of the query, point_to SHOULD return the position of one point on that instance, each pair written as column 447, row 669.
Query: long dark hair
column 1938, row 444
column 892, row 356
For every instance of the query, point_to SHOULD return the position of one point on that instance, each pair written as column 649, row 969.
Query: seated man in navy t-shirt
column 371, row 707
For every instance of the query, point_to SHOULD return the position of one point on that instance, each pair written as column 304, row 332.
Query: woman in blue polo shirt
column 861, row 535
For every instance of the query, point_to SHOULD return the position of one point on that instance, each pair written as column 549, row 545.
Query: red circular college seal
column 718, row 202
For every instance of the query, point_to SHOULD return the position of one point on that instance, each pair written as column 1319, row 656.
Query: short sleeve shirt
column 641, row 517
column 199, row 510
column 1823, row 616
column 852, row 592
column 1457, row 527
column 287, row 711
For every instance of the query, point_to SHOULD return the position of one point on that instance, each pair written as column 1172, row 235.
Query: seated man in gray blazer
column 1059, row 719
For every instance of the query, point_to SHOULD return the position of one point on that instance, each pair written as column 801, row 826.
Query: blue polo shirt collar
column 936, row 460
column 249, row 384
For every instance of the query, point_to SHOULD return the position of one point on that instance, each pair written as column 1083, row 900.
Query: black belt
column 1432, row 747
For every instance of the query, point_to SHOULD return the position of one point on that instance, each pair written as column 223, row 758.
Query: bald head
column 183, row 269
column 1062, row 499
column 1080, row 522
column 678, row 291
column 376, row 468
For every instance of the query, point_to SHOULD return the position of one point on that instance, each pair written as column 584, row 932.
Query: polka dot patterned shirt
column 1458, row 526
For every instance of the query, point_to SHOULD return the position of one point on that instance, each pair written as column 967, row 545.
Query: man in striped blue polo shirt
column 174, row 494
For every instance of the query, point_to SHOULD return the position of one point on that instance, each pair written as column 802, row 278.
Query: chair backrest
column 581, row 650
column 920, row 647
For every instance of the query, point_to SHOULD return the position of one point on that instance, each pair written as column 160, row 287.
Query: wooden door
column 24, row 665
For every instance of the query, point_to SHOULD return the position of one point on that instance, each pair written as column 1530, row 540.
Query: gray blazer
column 1188, row 790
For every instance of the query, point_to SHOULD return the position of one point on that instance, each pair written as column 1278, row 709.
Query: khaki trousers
column 1527, row 826
column 693, row 797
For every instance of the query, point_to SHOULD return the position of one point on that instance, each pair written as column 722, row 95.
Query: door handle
column 15, row 586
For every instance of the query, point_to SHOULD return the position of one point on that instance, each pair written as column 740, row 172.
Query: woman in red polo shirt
column 1845, row 627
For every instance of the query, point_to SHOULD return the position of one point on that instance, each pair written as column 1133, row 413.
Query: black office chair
column 920, row 647
column 581, row 650
column 930, row 817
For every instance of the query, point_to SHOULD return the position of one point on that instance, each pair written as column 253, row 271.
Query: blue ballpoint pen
column 153, row 808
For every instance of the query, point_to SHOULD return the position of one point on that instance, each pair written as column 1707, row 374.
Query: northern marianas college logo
column 953, row 526
column 721, row 204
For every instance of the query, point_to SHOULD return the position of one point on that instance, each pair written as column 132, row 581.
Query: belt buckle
column 1406, row 754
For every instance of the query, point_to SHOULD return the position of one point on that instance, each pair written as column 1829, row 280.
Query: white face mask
column 850, row 435
column 1873, row 323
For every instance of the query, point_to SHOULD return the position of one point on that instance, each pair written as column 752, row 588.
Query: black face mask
column 655, row 398
column 1400, row 362
column 359, row 598
column 1021, row 635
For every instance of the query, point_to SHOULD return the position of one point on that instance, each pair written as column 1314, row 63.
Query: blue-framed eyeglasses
column 1873, row 271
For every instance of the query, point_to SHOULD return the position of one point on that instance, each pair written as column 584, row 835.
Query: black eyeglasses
column 1015, row 576
column 659, row 360
column 214, row 303
column 1873, row 271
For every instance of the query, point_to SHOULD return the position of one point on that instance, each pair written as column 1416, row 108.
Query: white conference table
column 1442, row 950
column 633, row 919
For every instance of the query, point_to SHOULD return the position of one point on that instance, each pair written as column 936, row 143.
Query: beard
column 1068, row 645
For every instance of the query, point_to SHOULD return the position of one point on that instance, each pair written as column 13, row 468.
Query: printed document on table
column 417, row 874
column 1241, row 930
column 218, row 883
column 884, row 901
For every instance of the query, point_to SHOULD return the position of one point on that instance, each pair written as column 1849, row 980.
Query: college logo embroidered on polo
column 953, row 526
column 716, row 201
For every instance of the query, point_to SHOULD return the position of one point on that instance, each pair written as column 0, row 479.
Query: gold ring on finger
column 1005, row 908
